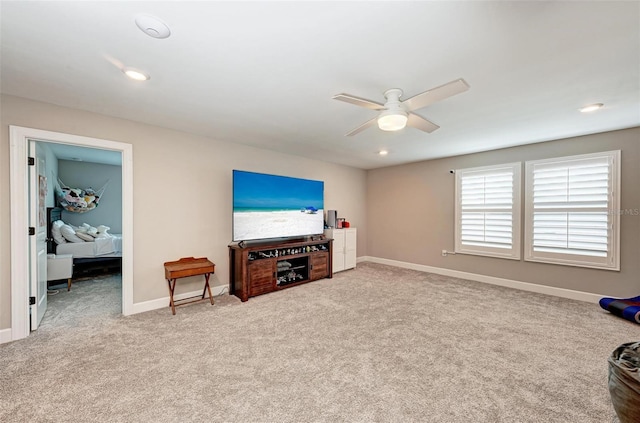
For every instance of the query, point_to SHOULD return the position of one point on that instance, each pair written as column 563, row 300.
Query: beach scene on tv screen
column 271, row 206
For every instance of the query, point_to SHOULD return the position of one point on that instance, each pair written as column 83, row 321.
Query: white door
column 38, row 241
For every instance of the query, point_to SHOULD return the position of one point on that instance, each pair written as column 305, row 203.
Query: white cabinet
column 350, row 241
column 344, row 248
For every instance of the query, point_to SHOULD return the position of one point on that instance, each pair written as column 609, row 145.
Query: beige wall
column 411, row 216
column 182, row 191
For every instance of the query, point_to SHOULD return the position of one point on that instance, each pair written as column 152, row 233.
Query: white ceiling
column 85, row 154
column 263, row 73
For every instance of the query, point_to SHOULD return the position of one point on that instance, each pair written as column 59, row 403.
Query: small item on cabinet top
column 345, row 224
column 340, row 223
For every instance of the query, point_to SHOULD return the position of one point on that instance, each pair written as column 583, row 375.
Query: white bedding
column 101, row 247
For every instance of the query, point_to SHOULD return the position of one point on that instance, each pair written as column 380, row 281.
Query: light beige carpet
column 374, row 344
column 91, row 302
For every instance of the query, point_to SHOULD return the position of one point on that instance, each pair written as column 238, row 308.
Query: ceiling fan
column 396, row 114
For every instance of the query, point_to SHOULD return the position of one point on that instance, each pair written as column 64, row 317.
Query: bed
column 101, row 247
column 101, row 254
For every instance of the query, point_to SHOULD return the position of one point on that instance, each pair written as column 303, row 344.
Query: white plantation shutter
column 488, row 211
column 571, row 206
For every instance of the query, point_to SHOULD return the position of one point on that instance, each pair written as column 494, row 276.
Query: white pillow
column 87, row 229
column 92, row 231
column 55, row 232
column 70, row 234
column 84, row 236
column 103, row 229
column 102, row 232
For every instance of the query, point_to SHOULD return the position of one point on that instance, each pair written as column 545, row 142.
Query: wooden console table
column 273, row 266
column 183, row 268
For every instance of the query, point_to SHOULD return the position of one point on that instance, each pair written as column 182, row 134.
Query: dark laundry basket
column 624, row 382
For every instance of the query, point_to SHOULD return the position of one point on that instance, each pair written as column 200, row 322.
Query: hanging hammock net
column 78, row 200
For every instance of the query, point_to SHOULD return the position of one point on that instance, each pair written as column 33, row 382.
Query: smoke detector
column 152, row 26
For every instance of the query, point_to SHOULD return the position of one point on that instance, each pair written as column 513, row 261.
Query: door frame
column 19, row 194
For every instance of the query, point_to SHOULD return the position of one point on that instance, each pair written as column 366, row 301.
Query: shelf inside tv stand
column 260, row 269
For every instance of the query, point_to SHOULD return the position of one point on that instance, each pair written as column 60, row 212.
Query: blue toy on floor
column 627, row 308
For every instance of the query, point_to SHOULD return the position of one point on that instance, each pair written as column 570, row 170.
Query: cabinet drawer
column 261, row 278
column 261, row 287
column 319, row 266
column 256, row 289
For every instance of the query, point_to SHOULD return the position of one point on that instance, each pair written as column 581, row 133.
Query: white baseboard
column 5, row 336
column 509, row 283
column 164, row 301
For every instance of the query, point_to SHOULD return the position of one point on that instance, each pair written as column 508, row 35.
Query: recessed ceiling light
column 152, row 26
column 136, row 74
column 591, row 107
column 383, row 152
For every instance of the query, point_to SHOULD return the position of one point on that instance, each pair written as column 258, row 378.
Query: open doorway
column 21, row 274
column 84, row 283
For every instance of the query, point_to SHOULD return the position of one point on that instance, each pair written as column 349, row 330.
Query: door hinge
column 32, row 230
column 32, row 300
column 31, row 161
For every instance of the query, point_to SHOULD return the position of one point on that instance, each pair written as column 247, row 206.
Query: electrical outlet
column 444, row 253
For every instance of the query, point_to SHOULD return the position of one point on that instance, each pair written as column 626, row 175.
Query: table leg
column 207, row 287
column 171, row 289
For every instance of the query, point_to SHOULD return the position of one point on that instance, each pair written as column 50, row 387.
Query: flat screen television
column 271, row 206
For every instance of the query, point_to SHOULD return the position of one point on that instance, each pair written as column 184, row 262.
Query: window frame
column 612, row 260
column 514, row 253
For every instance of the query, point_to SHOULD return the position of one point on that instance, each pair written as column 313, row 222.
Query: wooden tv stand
column 268, row 267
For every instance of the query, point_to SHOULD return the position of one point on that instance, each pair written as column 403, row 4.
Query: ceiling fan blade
column 362, row 102
column 436, row 94
column 418, row 122
column 362, row 127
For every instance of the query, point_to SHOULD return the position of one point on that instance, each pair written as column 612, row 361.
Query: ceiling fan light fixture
column 392, row 120
column 395, row 114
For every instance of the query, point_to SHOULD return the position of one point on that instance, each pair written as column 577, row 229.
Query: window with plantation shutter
column 488, row 211
column 571, row 210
